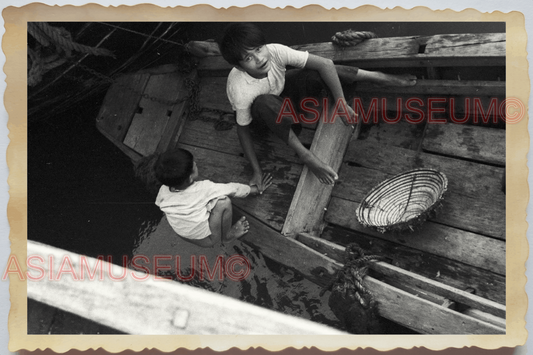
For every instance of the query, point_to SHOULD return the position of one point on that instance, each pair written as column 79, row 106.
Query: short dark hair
column 239, row 37
column 174, row 167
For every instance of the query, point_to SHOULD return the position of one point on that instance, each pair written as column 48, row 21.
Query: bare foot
column 324, row 173
column 239, row 229
column 396, row 80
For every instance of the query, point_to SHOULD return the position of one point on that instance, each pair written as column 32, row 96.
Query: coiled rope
column 350, row 37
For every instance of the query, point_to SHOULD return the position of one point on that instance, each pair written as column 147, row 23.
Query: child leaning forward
column 199, row 211
column 259, row 82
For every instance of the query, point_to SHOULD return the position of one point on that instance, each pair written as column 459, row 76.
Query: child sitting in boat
column 259, row 81
column 199, row 211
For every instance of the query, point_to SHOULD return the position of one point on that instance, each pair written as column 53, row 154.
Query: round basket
column 402, row 201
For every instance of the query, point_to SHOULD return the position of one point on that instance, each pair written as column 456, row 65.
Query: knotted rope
column 351, row 302
column 350, row 38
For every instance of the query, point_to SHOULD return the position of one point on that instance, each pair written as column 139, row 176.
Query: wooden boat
column 447, row 277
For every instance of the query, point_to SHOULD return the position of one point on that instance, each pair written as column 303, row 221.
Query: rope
column 62, row 38
column 142, row 34
column 350, row 38
column 350, row 300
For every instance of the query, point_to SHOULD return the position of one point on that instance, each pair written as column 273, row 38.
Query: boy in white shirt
column 199, row 211
column 258, row 83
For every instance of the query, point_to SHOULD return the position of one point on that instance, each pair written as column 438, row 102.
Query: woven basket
column 403, row 201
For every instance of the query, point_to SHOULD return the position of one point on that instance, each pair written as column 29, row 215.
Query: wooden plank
column 120, row 104
column 394, row 304
column 201, row 133
column 450, row 272
column 467, row 88
column 147, row 128
column 441, row 289
column 471, row 142
column 452, row 243
column 402, row 134
column 336, row 252
column 424, row 316
column 390, row 108
column 474, row 200
column 213, row 95
column 486, row 317
column 271, row 207
column 133, row 155
column 487, row 49
column 469, row 209
column 176, row 121
column 153, row 307
column 306, row 213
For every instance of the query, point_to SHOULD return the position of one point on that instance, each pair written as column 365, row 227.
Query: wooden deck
column 459, row 254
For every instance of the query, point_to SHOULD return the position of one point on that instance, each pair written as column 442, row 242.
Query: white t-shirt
column 243, row 89
column 188, row 210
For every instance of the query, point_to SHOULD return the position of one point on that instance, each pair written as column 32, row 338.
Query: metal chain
column 193, row 87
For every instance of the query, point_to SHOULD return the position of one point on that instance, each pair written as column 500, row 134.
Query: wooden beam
column 424, row 316
column 456, row 244
column 467, row 88
column 447, row 271
column 153, row 306
column 336, row 252
column 394, row 304
column 483, row 49
column 307, row 210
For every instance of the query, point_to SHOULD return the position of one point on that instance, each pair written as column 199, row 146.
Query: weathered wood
column 470, row 210
column 391, row 108
column 176, row 121
column 487, row 49
column 440, row 289
column 153, row 307
column 148, row 127
column 272, row 206
column 434, row 238
column 130, row 153
column 476, row 143
column 120, row 104
column 402, row 134
column 306, row 213
column 289, row 252
column 425, row 316
column 474, row 200
column 336, row 252
column 213, row 95
column 394, row 304
column 459, row 275
column 486, row 317
column 202, row 134
column 467, row 88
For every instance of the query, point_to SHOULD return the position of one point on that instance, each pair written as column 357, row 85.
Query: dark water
column 82, row 194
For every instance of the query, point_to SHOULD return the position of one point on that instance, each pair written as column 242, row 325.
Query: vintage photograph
column 266, row 178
